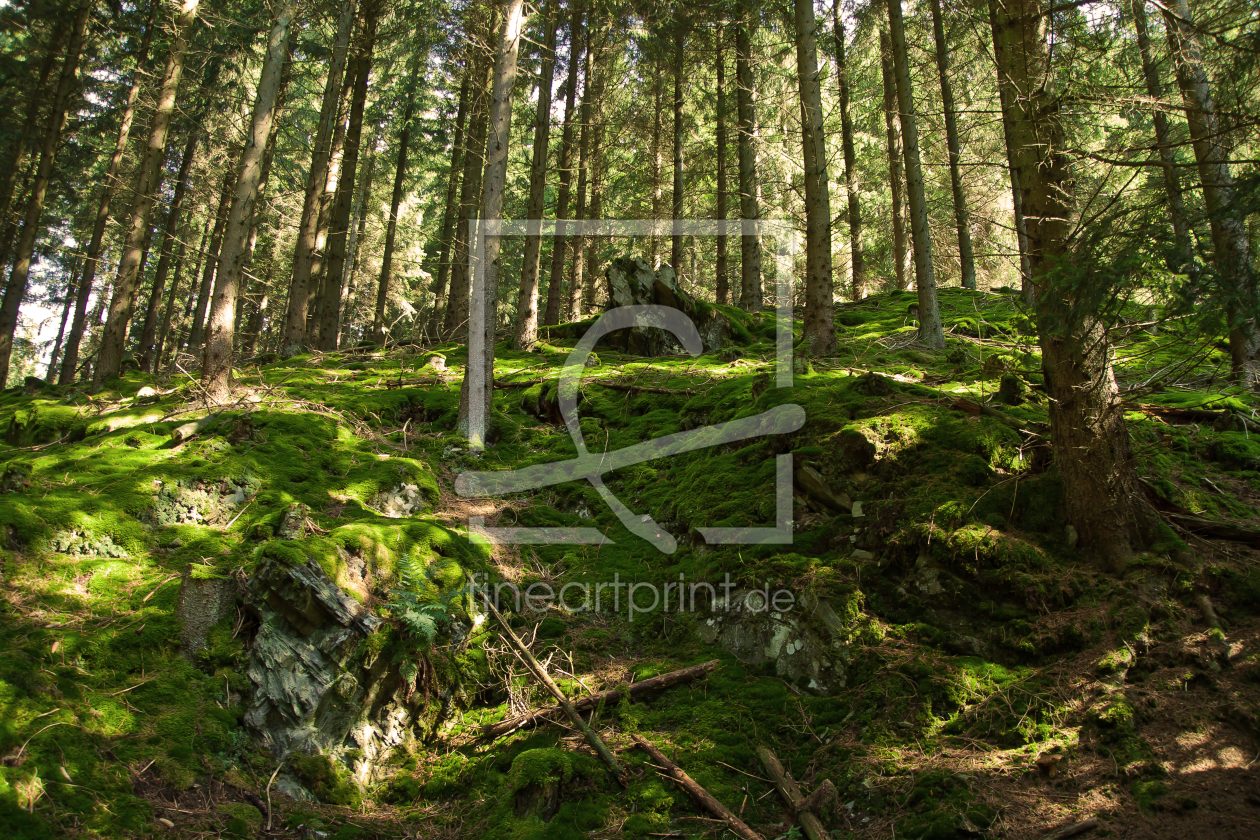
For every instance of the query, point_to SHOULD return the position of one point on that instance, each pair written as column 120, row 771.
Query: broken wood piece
column 791, row 793
column 702, row 796
column 823, row 798
column 1216, row 530
column 183, row 432
column 1027, row 427
column 1209, row 615
column 1072, row 830
column 533, row 716
column 540, row 673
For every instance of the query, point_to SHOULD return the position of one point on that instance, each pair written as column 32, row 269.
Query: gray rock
column 811, row 482
column 204, row 601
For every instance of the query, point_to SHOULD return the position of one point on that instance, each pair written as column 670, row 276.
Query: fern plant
column 421, row 618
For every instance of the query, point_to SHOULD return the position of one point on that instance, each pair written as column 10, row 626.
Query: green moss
column 540, row 767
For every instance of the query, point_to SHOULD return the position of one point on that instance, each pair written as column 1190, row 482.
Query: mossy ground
column 979, row 638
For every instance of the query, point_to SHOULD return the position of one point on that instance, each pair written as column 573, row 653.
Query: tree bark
column 526, row 332
column 451, row 208
column 216, row 367
column 354, row 246
column 150, row 178
column 1101, row 495
column 65, row 316
column 70, row 361
column 477, row 393
column 196, row 331
column 966, row 259
column 1163, row 139
column 676, row 241
column 1230, row 251
column 592, row 288
column 172, row 327
column 751, row 295
column 391, row 230
column 577, row 267
column 658, row 164
column 25, row 249
column 303, row 252
column 169, row 233
column 895, row 184
column 857, row 255
column 819, row 332
column 722, row 292
column 1006, row 94
column 165, row 329
column 931, row 332
column 560, row 242
column 339, row 223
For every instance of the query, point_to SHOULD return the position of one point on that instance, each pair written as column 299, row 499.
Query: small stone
column 1072, row 536
column 859, row 554
column 857, row 510
column 146, row 391
column 165, row 822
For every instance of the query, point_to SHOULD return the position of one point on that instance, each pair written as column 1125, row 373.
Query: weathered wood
column 1072, row 830
column 540, row 673
column 496, row 730
column 702, row 796
column 1216, row 530
column 1028, row 427
column 196, row 427
column 791, row 793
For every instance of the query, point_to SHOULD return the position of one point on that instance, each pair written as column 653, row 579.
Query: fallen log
column 1072, row 830
column 181, row 433
column 1216, row 530
column 1029, row 427
column 391, row 384
column 791, row 793
column 540, row 673
column 702, row 796
column 534, row 716
column 1197, row 415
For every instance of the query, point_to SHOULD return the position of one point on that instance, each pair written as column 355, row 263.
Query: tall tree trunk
column 1163, row 139
column 196, row 331
column 391, row 229
column 555, row 292
column 595, row 170
column 455, row 325
column 70, row 361
column 65, row 316
column 203, row 253
column 304, row 248
column 819, row 330
column 723, row 292
column 966, row 259
column 150, row 178
column 931, row 332
column 857, row 255
column 339, row 224
column 895, row 185
column 25, row 249
column 354, row 247
column 169, row 235
column 658, row 163
column 164, row 330
column 526, row 333
column 1101, row 495
column 676, row 242
column 216, row 368
column 750, row 290
column 577, row 267
column 1006, row 96
column 451, row 208
column 38, row 96
column 477, row 394
column 1230, row 251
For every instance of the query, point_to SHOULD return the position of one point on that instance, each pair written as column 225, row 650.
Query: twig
column 712, row 805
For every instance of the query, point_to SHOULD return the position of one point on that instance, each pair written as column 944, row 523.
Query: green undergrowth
column 948, row 581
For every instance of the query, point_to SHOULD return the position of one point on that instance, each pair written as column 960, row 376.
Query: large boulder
column 632, row 281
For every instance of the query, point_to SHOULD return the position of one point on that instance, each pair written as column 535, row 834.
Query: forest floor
column 989, row 681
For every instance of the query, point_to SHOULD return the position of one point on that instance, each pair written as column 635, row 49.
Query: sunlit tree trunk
column 750, row 289
column 723, row 282
column 354, row 247
column 966, row 259
column 526, row 331
column 477, row 393
column 559, row 243
column 216, row 369
column 931, row 332
column 895, row 184
column 577, row 267
column 321, row 154
column 196, row 331
column 1230, row 250
column 149, row 180
column 391, row 227
column 819, row 332
column 1101, row 498
column 857, row 256
column 164, row 330
column 1006, row 96
column 15, row 290
column 450, row 209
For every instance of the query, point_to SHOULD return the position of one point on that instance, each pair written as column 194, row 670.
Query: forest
column 598, row 419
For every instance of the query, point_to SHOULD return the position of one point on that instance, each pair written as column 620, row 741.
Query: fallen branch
column 1204, row 604
column 1072, row 830
column 791, row 793
column 698, row 793
column 179, row 434
column 1031, row 428
column 408, row 383
column 1216, row 530
column 1197, row 415
column 497, row 730
column 540, row 673
column 643, row 389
